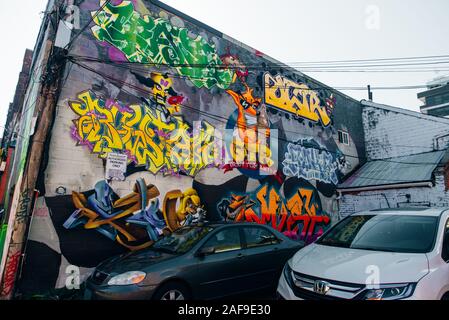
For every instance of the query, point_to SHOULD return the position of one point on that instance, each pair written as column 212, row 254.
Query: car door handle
column 276, row 249
column 240, row 256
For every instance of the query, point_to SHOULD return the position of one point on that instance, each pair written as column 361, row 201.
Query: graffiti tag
column 297, row 99
column 145, row 39
column 10, row 273
column 134, row 221
column 143, row 134
column 310, row 163
column 298, row 217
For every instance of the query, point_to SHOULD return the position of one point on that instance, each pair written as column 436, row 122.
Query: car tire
column 173, row 291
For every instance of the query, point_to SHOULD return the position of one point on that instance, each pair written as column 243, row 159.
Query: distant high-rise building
column 436, row 97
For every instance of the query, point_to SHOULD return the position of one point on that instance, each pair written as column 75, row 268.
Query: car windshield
column 389, row 233
column 182, row 240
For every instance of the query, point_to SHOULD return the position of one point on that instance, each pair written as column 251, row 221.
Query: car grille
column 304, row 288
column 98, row 277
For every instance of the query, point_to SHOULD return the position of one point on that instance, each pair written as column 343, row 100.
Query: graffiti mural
column 297, row 99
column 142, row 133
column 309, row 160
column 299, row 217
column 136, row 220
column 10, row 273
column 252, row 130
column 212, row 130
column 145, row 39
column 163, row 97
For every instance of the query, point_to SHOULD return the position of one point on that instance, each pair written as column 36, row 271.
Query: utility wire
column 315, row 88
column 224, row 120
column 146, row 92
column 265, row 67
column 69, row 45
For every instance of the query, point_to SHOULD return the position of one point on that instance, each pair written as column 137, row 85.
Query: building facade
column 407, row 162
column 436, row 97
column 10, row 134
column 205, row 127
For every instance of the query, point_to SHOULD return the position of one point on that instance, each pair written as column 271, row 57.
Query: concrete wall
column 393, row 132
column 100, row 111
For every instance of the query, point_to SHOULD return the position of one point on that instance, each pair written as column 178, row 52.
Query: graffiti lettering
column 297, row 99
column 298, row 217
column 143, row 134
column 10, row 273
column 22, row 210
column 134, row 221
column 145, row 39
column 307, row 159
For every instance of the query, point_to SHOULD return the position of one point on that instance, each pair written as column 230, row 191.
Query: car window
column 257, row 237
column 446, row 243
column 389, row 233
column 225, row 240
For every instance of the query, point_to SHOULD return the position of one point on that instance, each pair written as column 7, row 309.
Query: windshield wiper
column 374, row 249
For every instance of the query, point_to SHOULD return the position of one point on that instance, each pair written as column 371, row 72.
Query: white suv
column 393, row 254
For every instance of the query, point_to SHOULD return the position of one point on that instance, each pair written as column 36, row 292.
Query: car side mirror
column 205, row 252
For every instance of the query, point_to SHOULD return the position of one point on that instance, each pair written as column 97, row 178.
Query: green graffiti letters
column 145, row 39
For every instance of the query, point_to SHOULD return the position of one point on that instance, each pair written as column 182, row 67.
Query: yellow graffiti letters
column 295, row 98
column 143, row 134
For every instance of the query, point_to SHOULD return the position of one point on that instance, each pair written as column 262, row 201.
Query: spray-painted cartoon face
column 161, row 88
column 162, row 92
column 240, row 71
column 246, row 101
column 234, row 209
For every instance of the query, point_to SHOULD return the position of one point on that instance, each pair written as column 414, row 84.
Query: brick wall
column 393, row 132
column 437, row 196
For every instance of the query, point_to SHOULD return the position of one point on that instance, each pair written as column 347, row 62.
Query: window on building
column 343, row 137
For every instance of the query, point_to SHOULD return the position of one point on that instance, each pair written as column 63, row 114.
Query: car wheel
column 445, row 297
column 173, row 291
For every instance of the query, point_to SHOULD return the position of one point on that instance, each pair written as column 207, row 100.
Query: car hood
column 134, row 261
column 360, row 266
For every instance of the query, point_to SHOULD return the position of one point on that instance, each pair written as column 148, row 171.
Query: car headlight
column 127, row 278
column 390, row 292
column 288, row 275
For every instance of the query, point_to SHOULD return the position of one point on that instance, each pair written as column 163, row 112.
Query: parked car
column 197, row 262
column 394, row 254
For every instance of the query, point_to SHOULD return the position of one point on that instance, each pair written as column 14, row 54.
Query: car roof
column 225, row 223
column 222, row 224
column 413, row 211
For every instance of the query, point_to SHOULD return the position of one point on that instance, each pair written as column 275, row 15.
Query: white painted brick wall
column 390, row 133
column 382, row 199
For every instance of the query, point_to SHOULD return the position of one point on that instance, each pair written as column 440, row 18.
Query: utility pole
column 53, row 60
column 370, row 93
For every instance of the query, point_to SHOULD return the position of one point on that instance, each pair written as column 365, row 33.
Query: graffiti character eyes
column 244, row 104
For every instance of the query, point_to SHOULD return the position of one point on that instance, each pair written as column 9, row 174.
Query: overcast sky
column 289, row 31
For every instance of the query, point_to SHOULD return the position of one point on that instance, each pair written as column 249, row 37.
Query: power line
column 315, row 88
column 69, row 45
column 184, row 77
column 374, row 59
column 225, row 120
column 350, row 63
